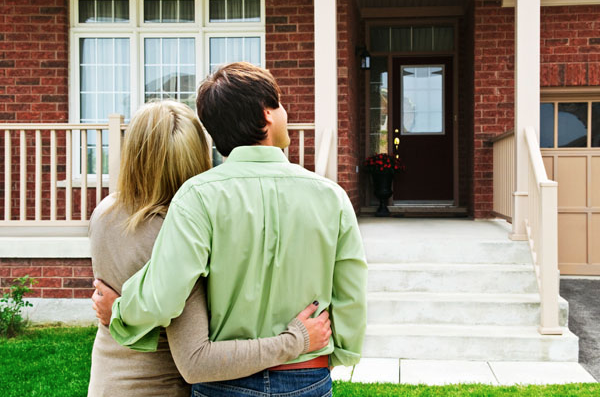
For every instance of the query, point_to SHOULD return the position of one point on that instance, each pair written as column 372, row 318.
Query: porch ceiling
column 408, row 3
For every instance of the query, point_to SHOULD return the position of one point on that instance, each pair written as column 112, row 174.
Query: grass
column 47, row 362
column 345, row 389
column 56, row 362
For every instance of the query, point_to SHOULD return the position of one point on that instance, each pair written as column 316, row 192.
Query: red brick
column 78, row 282
column 86, row 271
column 55, row 271
column 26, row 271
column 83, row 293
column 54, row 282
column 57, row 293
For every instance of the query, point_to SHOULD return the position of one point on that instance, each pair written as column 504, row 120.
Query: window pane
column 572, row 124
column 422, row 99
column 596, row 124
column 173, row 73
column 401, row 39
column 443, row 38
column 103, row 80
column 121, row 11
column 546, row 125
column 151, row 10
column 186, row 11
column 104, row 11
column 152, row 51
column 422, row 39
column 217, row 52
column 169, row 11
column 217, row 11
column 186, row 52
column 252, row 10
column 86, row 11
column 253, row 50
column 169, row 51
column 378, row 110
column 235, row 11
column 380, row 39
column 233, row 49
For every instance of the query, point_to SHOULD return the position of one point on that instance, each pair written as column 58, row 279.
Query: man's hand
column 103, row 298
column 319, row 328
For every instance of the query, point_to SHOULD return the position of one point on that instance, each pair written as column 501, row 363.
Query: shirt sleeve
column 349, row 300
column 157, row 292
column 200, row 360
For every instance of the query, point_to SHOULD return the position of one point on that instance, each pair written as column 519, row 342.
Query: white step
column 454, row 342
column 447, row 250
column 442, row 277
column 457, row 308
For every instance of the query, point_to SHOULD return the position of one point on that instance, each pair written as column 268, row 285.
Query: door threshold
column 420, row 211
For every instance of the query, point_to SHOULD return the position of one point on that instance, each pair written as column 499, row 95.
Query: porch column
column 527, row 102
column 326, row 101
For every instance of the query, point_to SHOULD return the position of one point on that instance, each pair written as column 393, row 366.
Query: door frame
column 400, row 22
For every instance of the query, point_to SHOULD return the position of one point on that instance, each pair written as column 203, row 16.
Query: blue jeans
column 313, row 382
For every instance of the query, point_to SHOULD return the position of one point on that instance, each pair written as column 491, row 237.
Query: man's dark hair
column 231, row 104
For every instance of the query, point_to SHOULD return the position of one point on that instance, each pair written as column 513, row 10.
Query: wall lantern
column 365, row 58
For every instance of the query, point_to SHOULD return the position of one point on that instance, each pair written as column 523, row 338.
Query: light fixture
column 365, row 58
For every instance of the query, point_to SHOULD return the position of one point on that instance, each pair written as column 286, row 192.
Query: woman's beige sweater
column 187, row 354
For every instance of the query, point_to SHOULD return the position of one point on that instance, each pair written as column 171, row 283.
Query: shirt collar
column 258, row 153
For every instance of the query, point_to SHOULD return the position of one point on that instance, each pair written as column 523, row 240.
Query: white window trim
column 136, row 30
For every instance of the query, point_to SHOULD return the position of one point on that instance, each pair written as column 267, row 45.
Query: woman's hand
column 103, row 299
column 319, row 328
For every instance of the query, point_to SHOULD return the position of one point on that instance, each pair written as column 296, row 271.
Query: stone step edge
column 458, row 330
column 458, row 297
column 456, row 267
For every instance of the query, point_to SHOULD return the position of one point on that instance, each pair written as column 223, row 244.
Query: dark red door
column 422, row 130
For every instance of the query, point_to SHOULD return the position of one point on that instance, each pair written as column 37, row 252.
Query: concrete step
column 446, row 250
column 459, row 342
column 457, row 308
column 441, row 277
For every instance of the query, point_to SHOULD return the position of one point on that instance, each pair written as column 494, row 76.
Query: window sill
column 91, row 182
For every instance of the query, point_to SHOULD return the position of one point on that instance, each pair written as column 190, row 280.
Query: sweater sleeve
column 200, row 360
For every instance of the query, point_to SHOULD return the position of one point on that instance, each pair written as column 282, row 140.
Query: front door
column 422, row 129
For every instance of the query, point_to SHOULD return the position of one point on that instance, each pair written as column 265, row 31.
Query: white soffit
column 550, row 3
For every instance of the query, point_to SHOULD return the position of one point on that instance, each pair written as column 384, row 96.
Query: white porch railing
column 43, row 197
column 541, row 225
column 504, row 175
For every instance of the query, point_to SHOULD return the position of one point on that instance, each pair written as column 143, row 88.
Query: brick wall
column 33, row 84
column 33, row 61
column 570, row 51
column 57, row 278
column 290, row 57
column 570, row 46
column 349, row 132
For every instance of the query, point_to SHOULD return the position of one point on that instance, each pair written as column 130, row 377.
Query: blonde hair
column 164, row 145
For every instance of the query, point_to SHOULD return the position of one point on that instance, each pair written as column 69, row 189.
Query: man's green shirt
column 271, row 237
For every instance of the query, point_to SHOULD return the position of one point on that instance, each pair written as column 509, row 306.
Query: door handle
column 396, row 142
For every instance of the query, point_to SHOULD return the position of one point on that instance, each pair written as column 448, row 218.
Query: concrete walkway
column 434, row 372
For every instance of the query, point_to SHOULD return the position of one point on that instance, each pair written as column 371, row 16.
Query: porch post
column 527, row 102
column 326, row 101
column 114, row 149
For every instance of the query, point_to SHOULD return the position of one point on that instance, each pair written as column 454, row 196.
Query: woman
column 164, row 145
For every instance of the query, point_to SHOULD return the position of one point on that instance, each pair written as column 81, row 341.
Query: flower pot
column 382, row 186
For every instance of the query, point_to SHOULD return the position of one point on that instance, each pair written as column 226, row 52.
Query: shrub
column 11, row 305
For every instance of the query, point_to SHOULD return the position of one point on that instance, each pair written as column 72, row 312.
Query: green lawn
column 56, row 362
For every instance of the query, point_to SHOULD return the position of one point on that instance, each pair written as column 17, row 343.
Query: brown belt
column 317, row 362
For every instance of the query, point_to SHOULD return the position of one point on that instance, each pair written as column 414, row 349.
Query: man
column 269, row 236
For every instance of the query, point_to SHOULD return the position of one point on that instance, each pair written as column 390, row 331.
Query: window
column 125, row 53
column 412, row 39
column 572, row 124
column 422, row 100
